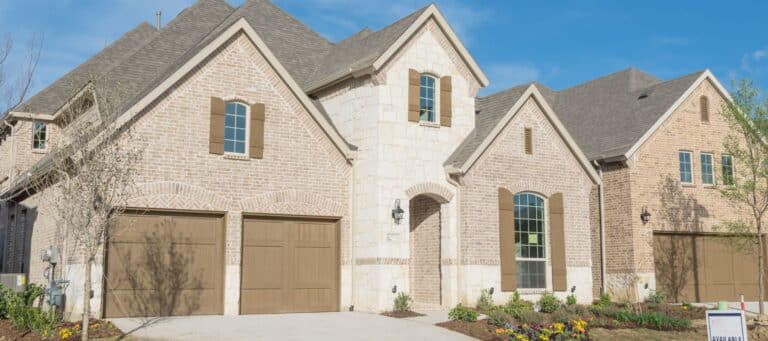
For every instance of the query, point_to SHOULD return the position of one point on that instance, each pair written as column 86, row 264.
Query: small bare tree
column 92, row 172
column 14, row 89
column 748, row 120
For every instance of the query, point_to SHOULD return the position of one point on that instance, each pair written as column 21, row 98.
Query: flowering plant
column 574, row 330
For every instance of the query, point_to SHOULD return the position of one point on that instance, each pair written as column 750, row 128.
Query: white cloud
column 759, row 54
column 503, row 76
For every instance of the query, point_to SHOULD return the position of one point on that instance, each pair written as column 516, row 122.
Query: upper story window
column 726, row 163
column 704, row 108
column 686, row 175
column 235, row 128
column 427, row 85
column 529, row 241
column 39, row 135
column 707, row 171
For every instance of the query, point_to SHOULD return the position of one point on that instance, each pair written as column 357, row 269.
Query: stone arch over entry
column 425, row 250
column 437, row 192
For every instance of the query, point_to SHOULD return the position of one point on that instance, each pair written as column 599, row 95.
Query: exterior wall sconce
column 397, row 212
column 573, row 289
column 645, row 217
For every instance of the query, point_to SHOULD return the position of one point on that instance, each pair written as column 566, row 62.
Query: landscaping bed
column 401, row 314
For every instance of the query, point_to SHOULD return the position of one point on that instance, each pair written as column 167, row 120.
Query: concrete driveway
column 320, row 326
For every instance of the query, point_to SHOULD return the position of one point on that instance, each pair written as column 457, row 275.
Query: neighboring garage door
column 703, row 268
column 163, row 264
column 289, row 265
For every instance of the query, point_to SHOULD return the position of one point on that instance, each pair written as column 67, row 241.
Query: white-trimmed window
column 236, row 128
column 39, row 135
column 530, row 250
column 686, row 167
column 707, row 170
column 427, row 98
column 726, row 164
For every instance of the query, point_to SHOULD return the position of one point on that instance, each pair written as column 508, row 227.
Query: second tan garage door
column 161, row 264
column 289, row 265
column 703, row 268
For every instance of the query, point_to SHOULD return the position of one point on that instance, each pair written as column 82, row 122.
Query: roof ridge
column 662, row 83
column 507, row 90
column 604, row 77
column 291, row 17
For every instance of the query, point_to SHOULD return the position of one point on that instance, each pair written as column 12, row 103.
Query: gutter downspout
column 352, row 236
column 601, row 206
column 12, row 152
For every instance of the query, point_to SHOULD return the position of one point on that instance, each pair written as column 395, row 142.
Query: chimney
column 158, row 16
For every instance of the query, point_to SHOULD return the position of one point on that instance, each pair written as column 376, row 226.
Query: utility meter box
column 15, row 282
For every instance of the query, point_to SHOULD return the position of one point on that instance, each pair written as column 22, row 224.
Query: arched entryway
column 424, row 273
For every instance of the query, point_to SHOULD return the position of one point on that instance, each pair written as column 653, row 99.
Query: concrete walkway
column 320, row 326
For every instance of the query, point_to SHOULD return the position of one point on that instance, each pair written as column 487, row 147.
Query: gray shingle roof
column 489, row 112
column 607, row 116
column 50, row 99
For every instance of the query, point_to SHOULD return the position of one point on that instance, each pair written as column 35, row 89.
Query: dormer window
column 704, row 108
column 427, row 98
column 39, row 135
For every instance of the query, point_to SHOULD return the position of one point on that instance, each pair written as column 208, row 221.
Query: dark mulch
column 678, row 311
column 481, row 330
column 9, row 332
column 401, row 314
column 99, row 329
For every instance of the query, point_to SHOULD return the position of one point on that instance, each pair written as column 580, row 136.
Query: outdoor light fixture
column 491, row 291
column 397, row 212
column 645, row 216
column 394, row 288
column 573, row 289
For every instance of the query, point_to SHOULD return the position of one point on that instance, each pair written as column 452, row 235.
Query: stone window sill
column 39, row 151
column 239, row 157
column 709, row 186
column 691, row 185
column 530, row 291
column 429, row 124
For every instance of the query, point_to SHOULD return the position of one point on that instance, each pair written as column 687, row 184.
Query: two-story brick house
column 305, row 175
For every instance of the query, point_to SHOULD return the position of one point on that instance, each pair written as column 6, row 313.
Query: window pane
column 239, row 147
column 229, row 146
column 685, row 167
column 707, row 176
column 727, row 169
column 531, row 274
column 427, row 98
column 240, row 134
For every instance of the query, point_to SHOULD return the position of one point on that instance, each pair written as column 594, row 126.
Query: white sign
column 726, row 325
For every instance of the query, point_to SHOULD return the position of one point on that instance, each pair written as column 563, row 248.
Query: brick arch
column 436, row 191
column 294, row 203
column 177, row 195
column 530, row 186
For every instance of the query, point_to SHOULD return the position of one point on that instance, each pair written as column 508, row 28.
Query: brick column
column 232, row 254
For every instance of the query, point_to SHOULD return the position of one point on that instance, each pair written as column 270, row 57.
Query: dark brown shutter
column 528, row 141
column 446, row 103
column 557, row 234
column 507, row 240
column 413, row 95
column 216, row 139
column 257, row 131
column 704, row 103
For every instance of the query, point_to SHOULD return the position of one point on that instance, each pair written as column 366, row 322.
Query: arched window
column 235, row 128
column 530, row 238
column 427, row 98
column 704, row 108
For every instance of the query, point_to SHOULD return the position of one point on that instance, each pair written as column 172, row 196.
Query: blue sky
column 559, row 43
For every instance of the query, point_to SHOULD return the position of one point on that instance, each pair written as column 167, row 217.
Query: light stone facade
column 505, row 164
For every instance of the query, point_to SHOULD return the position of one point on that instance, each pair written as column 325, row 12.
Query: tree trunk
column 760, row 272
column 87, row 298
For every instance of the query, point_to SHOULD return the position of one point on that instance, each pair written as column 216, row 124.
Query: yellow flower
column 543, row 338
column 521, row 337
column 65, row 334
column 558, row 327
column 685, row 307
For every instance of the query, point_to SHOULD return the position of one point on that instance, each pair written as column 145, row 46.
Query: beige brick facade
column 424, row 237
column 505, row 164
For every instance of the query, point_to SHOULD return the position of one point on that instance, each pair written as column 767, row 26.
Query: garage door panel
column 265, row 266
column 289, row 265
column 165, row 265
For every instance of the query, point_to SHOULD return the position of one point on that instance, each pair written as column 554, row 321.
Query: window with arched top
column 704, row 108
column 530, row 225
column 427, row 86
column 235, row 127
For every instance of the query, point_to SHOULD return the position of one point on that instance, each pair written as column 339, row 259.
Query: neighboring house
column 282, row 162
column 659, row 148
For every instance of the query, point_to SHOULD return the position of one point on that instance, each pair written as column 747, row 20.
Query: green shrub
column 18, row 309
column 577, row 309
column 530, row 317
column 497, row 317
column 570, row 300
column 548, row 303
column 605, row 300
column 651, row 320
column 485, row 301
column 516, row 306
column 657, row 297
column 563, row 316
column 31, row 293
column 402, row 302
column 462, row 313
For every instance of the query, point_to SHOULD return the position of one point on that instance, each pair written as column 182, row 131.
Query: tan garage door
column 703, row 268
column 289, row 265
column 163, row 264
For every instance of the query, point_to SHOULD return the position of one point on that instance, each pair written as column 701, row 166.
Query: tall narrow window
column 528, row 141
column 39, row 135
column 686, row 176
column 726, row 162
column 529, row 241
column 427, row 98
column 707, row 171
column 235, row 128
column 704, row 104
